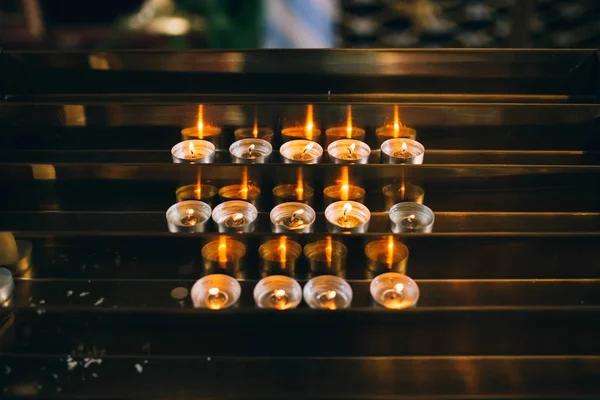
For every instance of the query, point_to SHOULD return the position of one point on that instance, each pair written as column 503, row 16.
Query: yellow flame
column 404, row 148
column 191, row 148
column 308, row 147
column 344, row 184
column 309, row 122
column 402, row 191
column 349, row 123
column 399, row 288
column 244, row 186
column 222, row 251
column 347, row 208
column 300, row 184
column 201, row 121
column 390, row 251
column 255, row 129
column 213, row 291
column 282, row 251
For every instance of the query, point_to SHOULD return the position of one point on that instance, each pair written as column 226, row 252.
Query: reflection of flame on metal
column 243, row 194
column 200, row 121
column 344, row 184
column 309, row 122
column 222, row 251
column 328, row 250
column 255, row 129
column 282, row 251
column 402, row 191
column 390, row 251
column 349, row 123
column 300, row 184
column 397, row 123
column 198, row 190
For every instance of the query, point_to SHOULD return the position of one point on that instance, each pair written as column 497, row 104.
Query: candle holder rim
column 196, row 205
column 408, row 205
column 295, row 247
column 250, row 141
column 181, row 146
column 331, row 281
column 393, row 276
column 397, row 245
column 231, row 203
column 387, row 145
column 311, row 212
column 295, row 285
column 340, row 142
column 357, row 130
column 231, row 282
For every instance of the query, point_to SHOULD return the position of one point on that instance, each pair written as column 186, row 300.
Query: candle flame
column 255, row 129
column 201, row 121
column 328, row 250
column 222, row 251
column 191, row 148
column 308, row 147
column 404, row 148
column 279, row 293
column 213, row 291
column 390, row 251
column 399, row 288
column 347, row 208
column 349, row 122
column 411, row 217
column 250, row 149
column 296, row 213
column 309, row 122
column 331, row 294
column 236, row 217
column 189, row 211
column 351, row 148
column 282, row 251
column 300, row 184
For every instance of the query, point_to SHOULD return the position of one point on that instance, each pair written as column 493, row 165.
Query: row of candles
column 386, row 259
column 237, row 216
column 300, row 151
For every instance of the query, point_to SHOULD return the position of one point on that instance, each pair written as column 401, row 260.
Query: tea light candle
column 301, row 152
column 346, row 192
column 205, row 193
column 326, row 257
column 223, row 256
column 399, row 192
column 347, row 216
column 250, row 151
column 344, row 132
column 386, row 255
column 254, row 132
column 247, row 193
column 7, row 286
column 328, row 292
column 235, row 216
column 193, row 152
column 202, row 132
column 277, row 292
column 285, row 193
column 279, row 256
column 349, row 151
column 188, row 216
column 216, row 292
column 395, row 291
column 300, row 132
column 292, row 217
column 411, row 217
column 402, row 151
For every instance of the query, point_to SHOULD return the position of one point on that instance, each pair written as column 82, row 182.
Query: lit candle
column 244, row 191
column 328, row 292
column 349, row 151
column 250, row 151
column 202, row 131
column 308, row 131
column 277, row 292
column 215, row 292
column 347, row 132
column 223, row 256
column 411, row 217
column 193, row 152
column 326, row 257
column 188, row 216
column 279, row 256
column 394, row 290
column 402, row 151
column 235, row 216
column 347, row 216
column 292, row 217
column 301, row 152
column 386, row 255
column 395, row 130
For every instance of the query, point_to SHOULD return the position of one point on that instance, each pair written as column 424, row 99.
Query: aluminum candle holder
column 411, row 217
column 216, row 292
column 249, row 133
column 344, row 132
column 395, row 291
column 292, row 217
column 223, row 256
column 397, row 193
column 250, row 151
column 279, row 256
column 207, row 133
column 205, row 193
column 301, row 152
column 326, row 257
column 386, row 255
column 331, row 194
column 328, row 292
column 7, row 286
column 235, row 216
column 402, row 151
column 277, row 292
column 248, row 193
column 347, row 217
column 291, row 192
column 188, row 216
column 193, row 152
column 349, row 151
column 393, row 132
column 300, row 132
